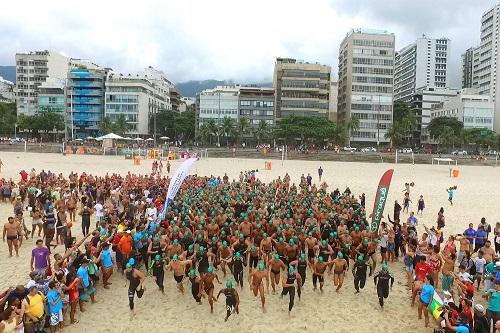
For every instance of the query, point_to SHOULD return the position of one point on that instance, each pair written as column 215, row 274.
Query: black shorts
column 383, row 249
column 12, row 237
column 310, row 254
column 178, row 278
column 319, row 278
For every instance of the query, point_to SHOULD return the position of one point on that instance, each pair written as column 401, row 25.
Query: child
column 54, row 299
column 451, row 191
column 406, row 202
column 421, row 205
column 480, row 262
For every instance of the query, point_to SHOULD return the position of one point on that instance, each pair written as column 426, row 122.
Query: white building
column 486, row 72
column 365, row 88
column 218, row 103
column 474, row 110
column 422, row 63
column 332, row 105
column 137, row 99
column 6, row 91
column 163, row 85
column 32, row 69
column 423, row 100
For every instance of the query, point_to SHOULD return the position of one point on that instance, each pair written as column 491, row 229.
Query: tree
column 205, row 133
column 8, row 118
column 395, row 134
column 261, row 131
column 352, row 126
column 41, row 122
column 436, row 126
column 106, row 126
column 403, row 125
column 215, row 130
column 228, row 128
column 242, row 127
column 447, row 137
column 313, row 129
column 120, row 126
column 178, row 126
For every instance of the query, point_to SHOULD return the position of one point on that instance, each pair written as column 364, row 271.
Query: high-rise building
column 301, row 88
column 467, row 67
column 472, row 109
column 32, row 69
column 486, row 71
column 6, row 91
column 169, row 95
column 365, row 88
column 256, row 104
column 422, row 63
column 136, row 99
column 51, row 97
column 217, row 104
column 332, row 107
column 84, row 98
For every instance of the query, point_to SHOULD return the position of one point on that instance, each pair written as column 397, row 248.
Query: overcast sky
column 225, row 39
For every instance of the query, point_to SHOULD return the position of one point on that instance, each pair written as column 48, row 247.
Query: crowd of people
column 278, row 234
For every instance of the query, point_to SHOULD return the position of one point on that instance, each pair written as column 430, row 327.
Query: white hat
column 497, row 264
column 479, row 308
column 119, row 231
column 447, row 293
column 128, row 231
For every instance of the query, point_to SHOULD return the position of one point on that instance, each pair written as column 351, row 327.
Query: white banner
column 176, row 182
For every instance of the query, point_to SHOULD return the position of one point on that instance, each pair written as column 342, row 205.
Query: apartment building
column 257, row 105
column 301, row 88
column 52, row 97
column 365, row 88
column 6, row 91
column 334, row 95
column 217, row 103
column 32, row 69
column 467, row 67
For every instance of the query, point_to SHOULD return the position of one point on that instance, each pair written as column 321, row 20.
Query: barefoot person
column 10, row 229
column 339, row 269
column 275, row 266
column 359, row 272
column 179, row 268
column 426, row 295
column 288, row 282
column 207, row 286
column 255, row 279
column 136, row 285
column 232, row 299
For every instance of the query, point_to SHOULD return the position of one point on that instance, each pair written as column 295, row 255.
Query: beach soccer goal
column 440, row 160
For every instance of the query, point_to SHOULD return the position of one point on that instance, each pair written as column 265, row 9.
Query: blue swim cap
column 131, row 261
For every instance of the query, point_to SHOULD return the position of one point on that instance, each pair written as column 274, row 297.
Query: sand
column 477, row 196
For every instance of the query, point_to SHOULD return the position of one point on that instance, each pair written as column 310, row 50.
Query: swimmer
column 232, row 299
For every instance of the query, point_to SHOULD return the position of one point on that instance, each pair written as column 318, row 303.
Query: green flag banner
column 380, row 199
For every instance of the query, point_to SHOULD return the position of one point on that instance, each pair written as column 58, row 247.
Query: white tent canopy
column 150, row 139
column 138, row 139
column 111, row 136
column 164, row 138
column 445, row 160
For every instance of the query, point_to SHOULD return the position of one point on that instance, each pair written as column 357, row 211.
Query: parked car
column 350, row 149
column 492, row 153
column 459, row 152
column 406, row 151
column 368, row 150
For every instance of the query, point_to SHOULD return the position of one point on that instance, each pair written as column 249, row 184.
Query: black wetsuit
column 238, row 270
column 254, row 257
column 381, row 280
column 290, row 290
column 132, row 288
column 202, row 259
column 230, row 294
column 324, row 252
column 301, row 268
column 359, row 271
column 195, row 289
column 159, row 273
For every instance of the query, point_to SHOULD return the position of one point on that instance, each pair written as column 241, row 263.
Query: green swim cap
column 238, row 255
column 265, row 235
column 360, row 258
column 176, row 241
column 291, row 269
column 157, row 257
column 346, row 232
column 224, row 243
column 262, row 267
column 175, row 257
column 320, row 259
column 340, row 255
column 276, row 256
column 229, row 284
column 242, row 236
column 210, row 269
column 385, row 267
column 202, row 249
column 302, row 256
column 192, row 272
column 128, row 265
column 191, row 247
column 309, row 234
column 323, row 242
column 291, row 242
column 281, row 239
column 365, row 240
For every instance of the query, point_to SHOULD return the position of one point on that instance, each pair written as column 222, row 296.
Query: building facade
column 422, row 101
column 301, row 88
column 6, row 91
column 85, row 100
column 332, row 107
column 486, row 59
column 474, row 110
column 256, row 104
column 422, row 63
column 135, row 99
column 217, row 103
column 467, row 68
column 32, row 69
column 52, row 97
column 365, row 88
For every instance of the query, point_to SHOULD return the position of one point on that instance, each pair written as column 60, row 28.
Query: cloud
column 223, row 39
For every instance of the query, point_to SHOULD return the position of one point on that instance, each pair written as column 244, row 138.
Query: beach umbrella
column 164, row 138
column 112, row 136
column 150, row 139
column 127, row 138
column 90, row 138
column 138, row 139
column 78, row 140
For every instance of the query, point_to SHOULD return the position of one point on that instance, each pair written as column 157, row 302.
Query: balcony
column 87, row 108
column 86, row 92
column 87, row 100
column 84, row 74
column 87, row 83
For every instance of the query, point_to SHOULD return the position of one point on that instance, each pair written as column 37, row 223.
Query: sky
column 226, row 39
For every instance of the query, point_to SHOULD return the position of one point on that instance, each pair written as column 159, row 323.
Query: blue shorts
column 390, row 247
column 84, row 296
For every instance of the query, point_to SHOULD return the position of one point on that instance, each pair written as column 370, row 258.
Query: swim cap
column 131, row 261
column 262, row 267
column 157, row 257
column 320, row 259
column 309, row 234
column 340, row 255
column 238, row 255
column 356, row 228
column 323, row 242
column 360, row 258
column 242, row 236
column 258, row 226
column 129, row 265
column 265, row 235
column 276, row 256
column 224, row 243
column 365, row 240
column 191, row 247
column 200, row 236
column 192, row 272
column 210, row 269
column 346, row 232
column 281, row 239
column 291, row 242
column 291, row 269
column 385, row 267
column 302, row 256
column 175, row 257
column 202, row 249
column 176, row 241
column 229, row 284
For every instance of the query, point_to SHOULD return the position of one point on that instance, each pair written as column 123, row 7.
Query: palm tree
column 261, row 131
column 121, row 126
column 214, row 129
column 106, row 126
column 228, row 128
column 205, row 132
column 352, row 126
column 242, row 127
column 447, row 137
column 396, row 134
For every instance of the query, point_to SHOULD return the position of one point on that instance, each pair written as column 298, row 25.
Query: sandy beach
column 477, row 196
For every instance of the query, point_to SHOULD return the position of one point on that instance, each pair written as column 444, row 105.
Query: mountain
column 8, row 73
column 192, row 88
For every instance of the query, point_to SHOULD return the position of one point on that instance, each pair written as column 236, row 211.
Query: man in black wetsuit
column 381, row 280
column 289, row 286
column 137, row 279
column 237, row 265
column 359, row 273
column 232, row 299
column 301, row 267
column 195, row 285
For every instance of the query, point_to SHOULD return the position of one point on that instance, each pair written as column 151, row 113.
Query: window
column 245, row 103
column 245, row 112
